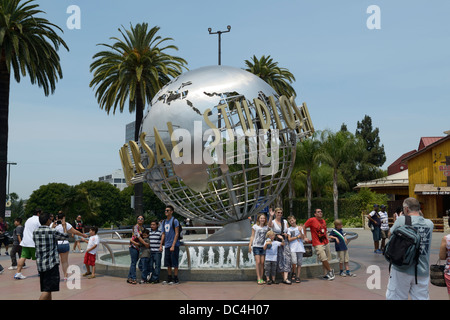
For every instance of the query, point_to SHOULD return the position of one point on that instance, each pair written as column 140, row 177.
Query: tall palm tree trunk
column 138, row 188
column 335, row 193
column 309, row 192
column 4, row 109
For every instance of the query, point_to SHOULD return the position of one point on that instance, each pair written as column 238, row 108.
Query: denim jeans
column 144, row 267
column 134, row 254
column 155, row 265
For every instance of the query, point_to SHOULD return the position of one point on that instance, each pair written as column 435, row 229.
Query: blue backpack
column 403, row 248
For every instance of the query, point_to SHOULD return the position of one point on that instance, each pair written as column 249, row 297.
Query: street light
column 219, row 33
column 9, row 175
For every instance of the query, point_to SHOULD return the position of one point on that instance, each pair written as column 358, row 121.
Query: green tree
column 371, row 137
column 49, row 198
column 365, row 165
column 28, row 46
column 336, row 149
column 77, row 201
column 278, row 78
column 153, row 204
column 104, row 202
column 132, row 71
column 306, row 162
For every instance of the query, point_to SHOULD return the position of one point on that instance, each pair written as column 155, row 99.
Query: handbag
column 437, row 274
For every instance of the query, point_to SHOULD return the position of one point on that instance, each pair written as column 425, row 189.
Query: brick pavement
column 113, row 288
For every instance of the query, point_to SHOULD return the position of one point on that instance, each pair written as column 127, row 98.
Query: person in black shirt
column 79, row 226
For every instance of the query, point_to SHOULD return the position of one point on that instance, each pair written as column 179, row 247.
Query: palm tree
column 28, row 46
column 268, row 70
column 306, row 161
column 133, row 70
column 336, row 149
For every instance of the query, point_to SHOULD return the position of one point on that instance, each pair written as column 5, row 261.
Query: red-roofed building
column 426, row 141
column 398, row 165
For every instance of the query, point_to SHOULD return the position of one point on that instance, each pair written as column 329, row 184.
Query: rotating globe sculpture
column 218, row 143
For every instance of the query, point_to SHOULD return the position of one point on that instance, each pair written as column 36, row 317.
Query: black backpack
column 403, row 248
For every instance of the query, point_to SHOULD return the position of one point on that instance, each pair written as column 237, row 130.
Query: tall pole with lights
column 219, row 33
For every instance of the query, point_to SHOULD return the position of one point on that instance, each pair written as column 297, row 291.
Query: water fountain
column 208, row 261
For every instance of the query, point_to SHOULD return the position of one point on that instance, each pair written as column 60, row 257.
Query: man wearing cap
column 375, row 224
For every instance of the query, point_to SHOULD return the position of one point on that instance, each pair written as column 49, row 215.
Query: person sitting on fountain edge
column 171, row 240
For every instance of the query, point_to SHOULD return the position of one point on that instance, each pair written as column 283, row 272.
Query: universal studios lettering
column 255, row 140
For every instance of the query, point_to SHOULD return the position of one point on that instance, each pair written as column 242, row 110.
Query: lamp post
column 219, row 33
column 9, row 174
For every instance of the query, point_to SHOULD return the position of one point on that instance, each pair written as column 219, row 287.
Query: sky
column 397, row 73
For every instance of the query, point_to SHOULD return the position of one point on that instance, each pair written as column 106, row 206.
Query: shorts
column 5, row 241
column 376, row 234
column 343, row 256
column 171, row 257
column 258, row 251
column 297, row 258
column 28, row 253
column 63, row 248
column 89, row 259
column 78, row 238
column 323, row 252
column 401, row 285
column 384, row 234
column 49, row 279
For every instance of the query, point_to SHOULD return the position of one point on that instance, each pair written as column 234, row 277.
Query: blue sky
column 399, row 75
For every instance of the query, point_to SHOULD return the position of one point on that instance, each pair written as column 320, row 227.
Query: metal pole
column 219, row 33
column 9, row 175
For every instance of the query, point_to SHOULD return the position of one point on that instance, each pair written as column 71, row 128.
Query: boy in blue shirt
column 171, row 240
column 340, row 240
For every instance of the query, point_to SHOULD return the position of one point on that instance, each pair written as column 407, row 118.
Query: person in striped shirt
column 155, row 252
column 47, row 257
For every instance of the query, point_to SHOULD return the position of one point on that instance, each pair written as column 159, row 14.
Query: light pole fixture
column 9, row 175
column 219, row 33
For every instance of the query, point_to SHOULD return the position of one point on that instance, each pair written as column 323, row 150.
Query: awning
column 397, row 180
column 430, row 189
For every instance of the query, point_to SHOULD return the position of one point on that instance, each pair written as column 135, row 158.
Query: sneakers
column 378, row 251
column 19, row 276
column 171, row 280
column 329, row 276
column 13, row 268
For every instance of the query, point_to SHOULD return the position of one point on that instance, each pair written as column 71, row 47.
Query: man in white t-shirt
column 384, row 225
column 27, row 243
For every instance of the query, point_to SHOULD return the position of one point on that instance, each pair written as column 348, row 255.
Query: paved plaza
column 105, row 287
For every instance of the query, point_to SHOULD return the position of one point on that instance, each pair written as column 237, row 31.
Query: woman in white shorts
column 63, row 246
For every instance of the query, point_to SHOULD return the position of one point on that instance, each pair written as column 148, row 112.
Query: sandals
column 87, row 274
column 131, row 281
column 297, row 280
column 261, row 281
column 293, row 277
column 286, row 282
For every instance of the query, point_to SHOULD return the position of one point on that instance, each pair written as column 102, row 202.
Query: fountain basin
column 209, row 261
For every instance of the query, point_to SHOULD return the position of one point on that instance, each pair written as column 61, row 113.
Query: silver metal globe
column 248, row 171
